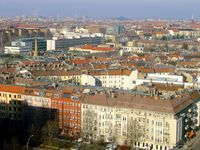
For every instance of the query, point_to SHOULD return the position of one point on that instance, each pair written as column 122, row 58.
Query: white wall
column 17, row 50
column 37, row 101
column 88, row 80
column 169, row 78
column 51, row 45
column 119, row 81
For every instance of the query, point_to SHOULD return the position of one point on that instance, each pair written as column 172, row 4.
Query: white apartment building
column 115, row 78
column 37, row 98
column 88, row 80
column 131, row 49
column 161, row 124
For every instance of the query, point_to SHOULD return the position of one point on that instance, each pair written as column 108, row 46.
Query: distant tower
column 36, row 48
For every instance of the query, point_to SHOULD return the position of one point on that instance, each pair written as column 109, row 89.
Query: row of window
column 70, row 117
column 71, row 111
column 75, row 126
column 105, row 77
column 11, row 115
column 157, row 147
column 10, row 95
column 67, row 103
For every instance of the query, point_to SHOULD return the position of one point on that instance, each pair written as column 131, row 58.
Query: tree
column 13, row 144
column 164, row 38
column 185, row 46
column 50, row 131
column 134, row 132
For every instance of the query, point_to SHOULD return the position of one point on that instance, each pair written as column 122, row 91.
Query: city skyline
column 133, row 9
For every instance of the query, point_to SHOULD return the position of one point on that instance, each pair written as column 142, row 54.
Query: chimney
column 36, row 48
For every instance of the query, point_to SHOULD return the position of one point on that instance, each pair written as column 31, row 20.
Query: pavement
column 195, row 142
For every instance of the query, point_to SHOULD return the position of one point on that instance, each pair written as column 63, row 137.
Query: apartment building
column 11, row 101
column 131, row 49
column 58, row 75
column 37, row 97
column 112, row 78
column 115, row 78
column 145, row 121
column 68, row 105
column 92, row 49
column 155, row 116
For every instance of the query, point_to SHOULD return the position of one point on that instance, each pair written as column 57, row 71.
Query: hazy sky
column 103, row 8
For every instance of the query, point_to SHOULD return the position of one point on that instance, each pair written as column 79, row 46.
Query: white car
column 80, row 140
column 111, row 146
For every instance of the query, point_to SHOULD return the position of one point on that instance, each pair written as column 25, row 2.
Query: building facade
column 69, row 107
column 64, row 42
column 142, row 121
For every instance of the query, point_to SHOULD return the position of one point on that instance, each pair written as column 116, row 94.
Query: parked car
column 111, row 146
column 86, row 142
column 80, row 140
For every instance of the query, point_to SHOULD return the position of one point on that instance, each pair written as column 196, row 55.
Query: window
column 124, row 118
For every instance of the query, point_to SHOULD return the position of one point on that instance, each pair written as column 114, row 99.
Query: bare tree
column 185, row 46
column 13, row 144
column 50, row 131
column 134, row 132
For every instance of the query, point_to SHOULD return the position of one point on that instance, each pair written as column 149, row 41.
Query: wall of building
column 88, row 80
column 69, row 108
column 57, row 44
column 113, row 124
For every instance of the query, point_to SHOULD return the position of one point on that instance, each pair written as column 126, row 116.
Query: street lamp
column 29, row 140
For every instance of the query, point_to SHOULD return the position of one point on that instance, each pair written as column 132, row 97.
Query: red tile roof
column 11, row 88
column 90, row 47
